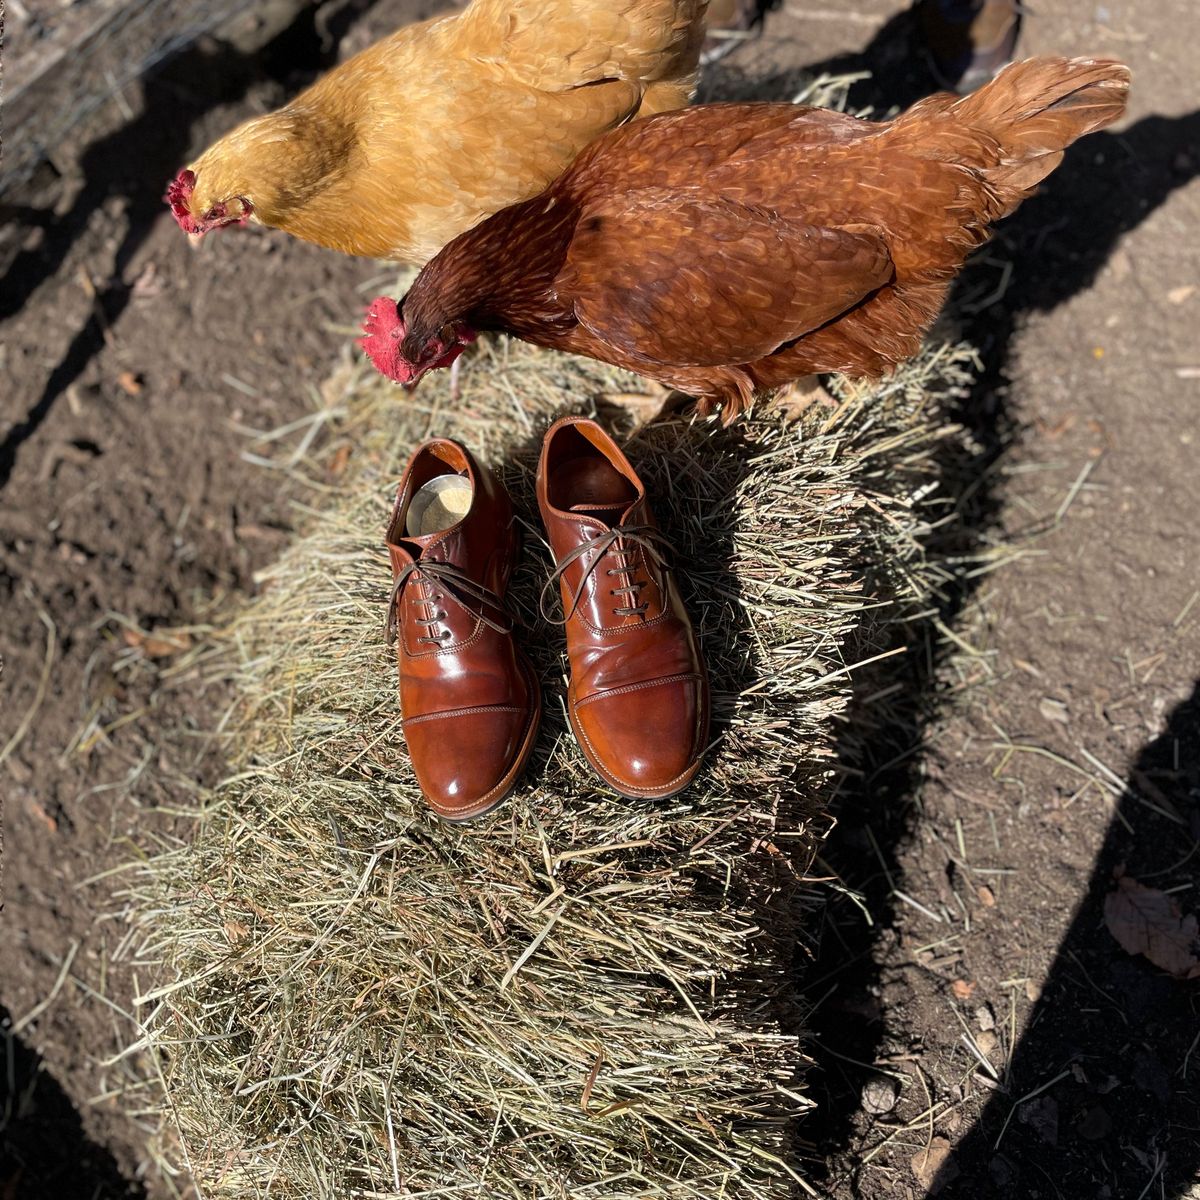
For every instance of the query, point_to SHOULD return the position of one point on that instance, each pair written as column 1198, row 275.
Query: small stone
column 1001, row 1170
column 984, row 1018
column 932, row 1167
column 986, row 896
column 987, row 1043
column 1120, row 264
column 1041, row 1115
column 879, row 1095
column 1096, row 1124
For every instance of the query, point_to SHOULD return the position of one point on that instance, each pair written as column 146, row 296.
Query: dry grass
column 582, row 996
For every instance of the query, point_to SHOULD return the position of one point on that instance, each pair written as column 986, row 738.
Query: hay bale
column 582, row 996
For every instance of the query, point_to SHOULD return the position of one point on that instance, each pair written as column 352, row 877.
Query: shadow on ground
column 204, row 76
column 1051, row 249
column 1111, row 1049
column 44, row 1151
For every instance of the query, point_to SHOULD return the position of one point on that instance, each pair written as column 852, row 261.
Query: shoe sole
column 501, row 791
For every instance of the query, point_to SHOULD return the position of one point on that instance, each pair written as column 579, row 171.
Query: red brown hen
column 729, row 249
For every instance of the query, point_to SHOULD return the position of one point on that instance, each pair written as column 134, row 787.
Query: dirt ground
column 981, row 1034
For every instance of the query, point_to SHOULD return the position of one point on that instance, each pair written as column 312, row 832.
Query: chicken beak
column 194, row 240
column 411, row 385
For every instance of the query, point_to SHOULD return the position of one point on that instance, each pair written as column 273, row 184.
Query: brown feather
column 728, row 249
column 425, row 133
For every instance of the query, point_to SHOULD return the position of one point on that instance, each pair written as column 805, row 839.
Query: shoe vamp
column 483, row 672
column 632, row 655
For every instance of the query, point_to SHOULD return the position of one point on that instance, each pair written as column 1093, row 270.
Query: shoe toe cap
column 647, row 740
column 466, row 761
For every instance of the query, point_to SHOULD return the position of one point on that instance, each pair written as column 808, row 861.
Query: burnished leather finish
column 638, row 697
column 468, row 696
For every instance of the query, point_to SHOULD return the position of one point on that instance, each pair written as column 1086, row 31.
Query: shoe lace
column 621, row 540
column 454, row 584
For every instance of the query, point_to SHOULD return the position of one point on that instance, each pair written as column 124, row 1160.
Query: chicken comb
column 383, row 333
column 179, row 192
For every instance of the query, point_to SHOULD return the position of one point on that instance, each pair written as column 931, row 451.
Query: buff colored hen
column 732, row 248
column 415, row 139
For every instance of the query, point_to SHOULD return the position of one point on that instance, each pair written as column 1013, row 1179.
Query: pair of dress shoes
column 470, row 701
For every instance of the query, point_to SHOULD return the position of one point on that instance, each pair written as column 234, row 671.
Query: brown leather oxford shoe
column 468, row 696
column 638, row 698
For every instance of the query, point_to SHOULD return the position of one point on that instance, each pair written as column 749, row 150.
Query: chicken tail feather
column 1035, row 109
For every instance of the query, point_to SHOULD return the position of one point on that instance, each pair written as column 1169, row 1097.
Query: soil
column 1047, row 717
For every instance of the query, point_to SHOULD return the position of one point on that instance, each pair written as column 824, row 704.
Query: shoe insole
column 590, row 485
column 437, row 505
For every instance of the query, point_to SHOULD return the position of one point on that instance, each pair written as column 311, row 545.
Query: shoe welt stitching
column 462, row 712
column 637, row 687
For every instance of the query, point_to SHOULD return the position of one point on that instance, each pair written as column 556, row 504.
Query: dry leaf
column 41, row 814
column 797, row 398
column 341, row 456
column 1149, row 922
column 161, row 647
column 930, row 1163
column 130, row 383
column 237, row 931
column 157, row 645
column 962, row 989
column 1054, row 432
